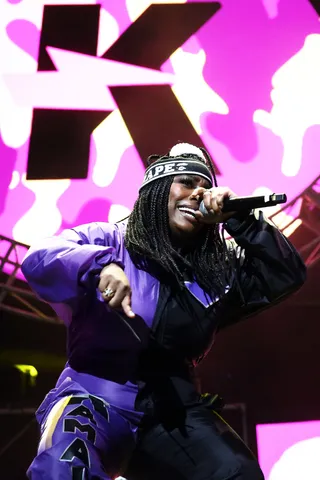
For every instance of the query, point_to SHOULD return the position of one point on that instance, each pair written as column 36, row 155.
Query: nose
column 194, row 195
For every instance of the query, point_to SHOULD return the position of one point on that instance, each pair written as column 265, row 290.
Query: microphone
column 238, row 204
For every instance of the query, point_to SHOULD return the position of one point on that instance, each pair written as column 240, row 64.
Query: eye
column 187, row 181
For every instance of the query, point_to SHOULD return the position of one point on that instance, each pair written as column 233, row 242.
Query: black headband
column 176, row 166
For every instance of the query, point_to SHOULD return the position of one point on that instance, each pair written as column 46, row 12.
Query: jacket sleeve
column 62, row 268
column 268, row 270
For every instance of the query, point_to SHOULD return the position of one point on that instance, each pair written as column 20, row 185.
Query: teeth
column 187, row 210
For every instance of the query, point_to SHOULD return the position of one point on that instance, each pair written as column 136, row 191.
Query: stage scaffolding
column 16, row 296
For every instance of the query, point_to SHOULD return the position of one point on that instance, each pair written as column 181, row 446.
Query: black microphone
column 238, row 204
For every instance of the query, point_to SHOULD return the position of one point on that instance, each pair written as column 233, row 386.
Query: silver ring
column 108, row 292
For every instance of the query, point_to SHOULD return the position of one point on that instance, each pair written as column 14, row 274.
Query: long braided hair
column 149, row 244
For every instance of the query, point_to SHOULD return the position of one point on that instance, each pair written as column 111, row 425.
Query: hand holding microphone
column 220, row 203
column 212, row 204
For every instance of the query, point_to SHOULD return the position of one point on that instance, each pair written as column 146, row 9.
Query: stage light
column 28, row 370
column 295, row 453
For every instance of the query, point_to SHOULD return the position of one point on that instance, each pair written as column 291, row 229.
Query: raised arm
column 269, row 270
column 62, row 268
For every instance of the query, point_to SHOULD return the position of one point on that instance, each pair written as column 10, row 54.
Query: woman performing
column 142, row 300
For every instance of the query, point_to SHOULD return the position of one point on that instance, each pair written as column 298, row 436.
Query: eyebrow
column 196, row 178
column 207, row 185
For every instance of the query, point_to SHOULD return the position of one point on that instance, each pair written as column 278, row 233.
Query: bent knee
column 71, row 458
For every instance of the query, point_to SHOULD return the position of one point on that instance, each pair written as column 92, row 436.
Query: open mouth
column 188, row 212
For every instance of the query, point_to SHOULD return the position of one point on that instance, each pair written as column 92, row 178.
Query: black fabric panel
column 198, row 445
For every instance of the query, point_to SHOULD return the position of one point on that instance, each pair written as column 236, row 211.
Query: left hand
column 213, row 201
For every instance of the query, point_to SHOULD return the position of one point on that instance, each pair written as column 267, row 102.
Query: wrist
column 111, row 266
column 238, row 222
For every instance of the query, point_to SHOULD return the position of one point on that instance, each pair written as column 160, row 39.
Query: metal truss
column 18, row 300
column 304, row 209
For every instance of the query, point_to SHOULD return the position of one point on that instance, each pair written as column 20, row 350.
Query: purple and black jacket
column 110, row 355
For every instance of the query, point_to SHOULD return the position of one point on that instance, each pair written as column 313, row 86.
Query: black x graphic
column 60, row 139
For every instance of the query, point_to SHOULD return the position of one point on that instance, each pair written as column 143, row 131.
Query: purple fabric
column 120, row 397
column 64, row 271
column 199, row 294
column 81, row 432
column 66, row 266
column 72, row 262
